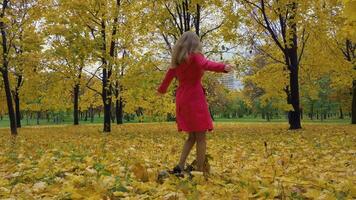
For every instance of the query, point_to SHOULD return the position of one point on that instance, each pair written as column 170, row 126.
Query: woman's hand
column 228, row 68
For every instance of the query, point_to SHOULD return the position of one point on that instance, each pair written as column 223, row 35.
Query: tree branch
column 304, row 41
column 211, row 30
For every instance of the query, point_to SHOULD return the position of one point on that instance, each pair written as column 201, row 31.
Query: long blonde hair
column 188, row 43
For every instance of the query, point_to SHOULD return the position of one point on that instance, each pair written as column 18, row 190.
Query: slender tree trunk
column 107, row 103
column 76, row 105
column 91, row 114
column 17, row 109
column 197, row 20
column 9, row 102
column 47, row 116
column 19, row 79
column 107, row 117
column 119, row 111
column 107, row 69
column 113, row 113
column 301, row 113
column 4, row 70
column 353, row 117
column 38, row 117
column 86, row 116
column 312, row 111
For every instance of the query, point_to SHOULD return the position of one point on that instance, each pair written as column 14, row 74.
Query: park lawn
column 248, row 160
column 68, row 120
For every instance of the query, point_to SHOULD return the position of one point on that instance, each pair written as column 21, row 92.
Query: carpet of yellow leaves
column 248, row 161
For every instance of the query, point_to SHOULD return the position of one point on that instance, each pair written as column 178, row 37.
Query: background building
column 230, row 81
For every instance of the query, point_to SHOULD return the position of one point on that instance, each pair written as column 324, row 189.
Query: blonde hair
column 188, row 43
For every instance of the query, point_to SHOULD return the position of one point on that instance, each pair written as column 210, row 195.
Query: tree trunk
column 4, row 71
column 301, row 113
column 9, row 102
column 91, row 114
column 17, row 109
column 47, row 116
column 76, row 105
column 107, row 103
column 107, row 116
column 292, row 58
column 353, row 117
column 17, row 101
column 38, row 117
column 86, row 116
column 119, row 111
column 113, row 113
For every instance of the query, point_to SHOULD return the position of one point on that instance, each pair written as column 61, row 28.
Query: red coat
column 192, row 112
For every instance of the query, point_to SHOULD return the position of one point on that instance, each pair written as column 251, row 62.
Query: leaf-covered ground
column 247, row 161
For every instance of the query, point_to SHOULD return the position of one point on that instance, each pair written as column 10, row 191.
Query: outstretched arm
column 214, row 66
column 166, row 81
column 209, row 65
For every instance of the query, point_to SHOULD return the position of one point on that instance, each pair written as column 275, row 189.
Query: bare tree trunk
column 38, row 117
column 10, row 107
column 292, row 56
column 76, row 105
column 91, row 114
column 119, row 111
column 4, row 70
column 353, row 117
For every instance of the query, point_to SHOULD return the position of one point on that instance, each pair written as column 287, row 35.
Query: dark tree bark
column 4, row 71
column 86, row 116
column 349, row 52
column 76, row 104
column 17, row 101
column 312, row 111
column 19, row 83
column 293, row 64
column 353, row 117
column 107, row 71
column 106, row 85
column 91, row 109
column 113, row 113
column 197, row 20
column 119, row 111
column 38, row 117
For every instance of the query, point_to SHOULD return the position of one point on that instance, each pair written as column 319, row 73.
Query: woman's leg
column 189, row 143
column 201, row 150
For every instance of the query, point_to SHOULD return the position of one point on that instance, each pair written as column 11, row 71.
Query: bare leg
column 201, row 150
column 188, row 145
